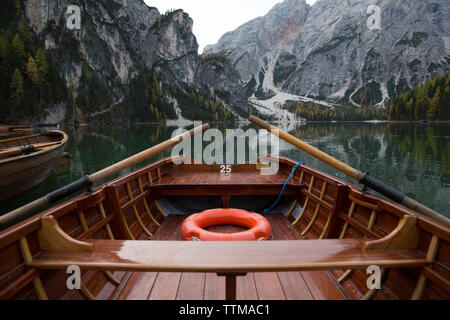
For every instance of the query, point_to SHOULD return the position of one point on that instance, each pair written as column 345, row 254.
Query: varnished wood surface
column 23, row 172
column 228, row 256
column 210, row 178
column 399, row 283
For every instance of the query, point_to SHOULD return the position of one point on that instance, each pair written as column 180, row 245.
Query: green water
column 412, row 158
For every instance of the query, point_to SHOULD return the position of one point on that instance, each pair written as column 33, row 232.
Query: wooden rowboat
column 125, row 237
column 27, row 161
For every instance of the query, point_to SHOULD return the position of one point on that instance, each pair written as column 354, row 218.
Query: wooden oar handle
column 22, row 211
column 260, row 123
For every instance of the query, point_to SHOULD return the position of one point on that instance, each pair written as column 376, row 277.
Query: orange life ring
column 194, row 226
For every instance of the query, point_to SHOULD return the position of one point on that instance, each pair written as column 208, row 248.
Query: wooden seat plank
column 176, row 256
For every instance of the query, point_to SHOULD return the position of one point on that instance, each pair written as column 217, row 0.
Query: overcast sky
column 213, row 18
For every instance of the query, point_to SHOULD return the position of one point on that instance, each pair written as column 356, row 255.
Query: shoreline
column 422, row 122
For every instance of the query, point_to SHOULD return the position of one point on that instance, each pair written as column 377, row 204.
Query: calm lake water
column 412, row 158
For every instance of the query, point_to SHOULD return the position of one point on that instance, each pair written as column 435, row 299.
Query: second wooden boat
column 27, row 161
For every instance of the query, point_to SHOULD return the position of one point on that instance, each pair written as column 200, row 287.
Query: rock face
column 254, row 46
column 118, row 40
column 328, row 51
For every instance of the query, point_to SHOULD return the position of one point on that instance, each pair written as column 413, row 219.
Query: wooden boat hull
column 22, row 173
column 125, row 236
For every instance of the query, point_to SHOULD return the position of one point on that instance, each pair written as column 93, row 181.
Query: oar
column 363, row 178
column 90, row 180
column 26, row 149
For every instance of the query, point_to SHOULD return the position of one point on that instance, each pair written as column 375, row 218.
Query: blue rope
column 284, row 187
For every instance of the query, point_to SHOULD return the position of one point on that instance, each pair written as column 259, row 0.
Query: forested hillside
column 428, row 101
column 28, row 79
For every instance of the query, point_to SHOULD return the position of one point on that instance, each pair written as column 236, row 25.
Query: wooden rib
column 371, row 293
column 324, row 232
column 52, row 237
column 141, row 189
column 294, row 205
column 364, row 204
column 111, row 278
column 348, row 273
column 28, row 258
column 316, row 214
column 350, row 214
column 103, row 215
column 345, row 276
column 125, row 224
column 302, row 175
column 158, row 170
column 82, row 220
column 431, row 257
column 305, row 205
column 150, row 179
column 136, row 213
column 159, row 208
column 86, row 292
column 373, row 218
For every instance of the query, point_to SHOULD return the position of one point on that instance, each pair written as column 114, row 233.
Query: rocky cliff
column 121, row 42
column 328, row 52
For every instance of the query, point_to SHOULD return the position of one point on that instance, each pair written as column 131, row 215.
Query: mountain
column 327, row 53
column 128, row 62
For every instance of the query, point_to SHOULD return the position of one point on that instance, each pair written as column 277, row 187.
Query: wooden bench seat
column 274, row 270
column 226, row 257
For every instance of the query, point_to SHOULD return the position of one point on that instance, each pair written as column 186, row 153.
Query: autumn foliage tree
column 428, row 101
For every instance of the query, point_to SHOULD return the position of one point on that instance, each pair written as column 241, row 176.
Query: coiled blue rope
column 284, row 187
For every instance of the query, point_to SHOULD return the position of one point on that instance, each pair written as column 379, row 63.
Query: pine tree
column 19, row 51
column 32, row 71
column 422, row 103
column 18, row 7
column 17, row 87
column 41, row 61
column 25, row 34
column 434, row 105
column 3, row 47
